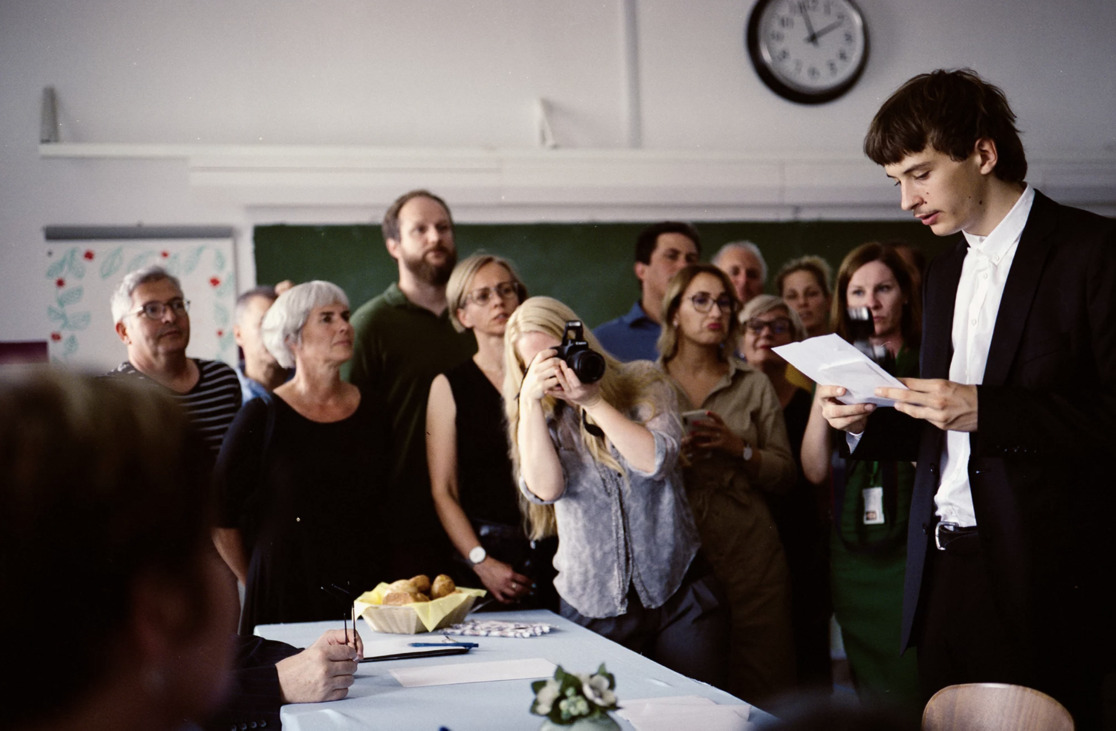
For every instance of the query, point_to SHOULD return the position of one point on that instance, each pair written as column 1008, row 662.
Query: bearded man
column 403, row 339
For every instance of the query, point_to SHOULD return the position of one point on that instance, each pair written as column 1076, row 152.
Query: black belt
column 947, row 533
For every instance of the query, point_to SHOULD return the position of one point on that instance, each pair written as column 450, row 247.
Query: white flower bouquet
column 570, row 698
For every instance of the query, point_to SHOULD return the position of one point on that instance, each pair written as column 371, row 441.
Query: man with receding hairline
column 152, row 319
column 259, row 372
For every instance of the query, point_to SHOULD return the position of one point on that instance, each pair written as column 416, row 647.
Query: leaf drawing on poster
column 112, row 262
column 78, row 310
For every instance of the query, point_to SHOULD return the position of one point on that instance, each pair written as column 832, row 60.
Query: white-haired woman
column 738, row 452
column 605, row 455
column 298, row 471
column 467, row 446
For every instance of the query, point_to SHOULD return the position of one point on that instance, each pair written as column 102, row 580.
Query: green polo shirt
column 399, row 348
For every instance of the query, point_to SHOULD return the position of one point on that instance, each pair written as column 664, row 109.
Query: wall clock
column 807, row 51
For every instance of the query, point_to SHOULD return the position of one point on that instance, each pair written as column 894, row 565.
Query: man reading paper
column 1010, row 554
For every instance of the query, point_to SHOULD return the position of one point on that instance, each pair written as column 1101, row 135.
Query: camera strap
column 591, row 428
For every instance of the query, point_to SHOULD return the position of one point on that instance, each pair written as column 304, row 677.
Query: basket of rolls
column 414, row 605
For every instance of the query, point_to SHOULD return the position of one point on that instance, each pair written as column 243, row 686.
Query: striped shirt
column 211, row 404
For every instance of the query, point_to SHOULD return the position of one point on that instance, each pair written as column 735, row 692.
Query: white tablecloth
column 377, row 700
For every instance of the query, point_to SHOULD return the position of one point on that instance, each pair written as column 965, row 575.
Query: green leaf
column 110, row 265
column 71, row 296
column 220, row 314
column 137, row 262
column 55, row 314
column 190, row 262
column 79, row 321
column 54, row 271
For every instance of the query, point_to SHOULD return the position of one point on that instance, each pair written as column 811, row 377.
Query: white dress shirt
column 979, row 290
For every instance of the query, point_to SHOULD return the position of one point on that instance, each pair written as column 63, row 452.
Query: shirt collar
column 636, row 314
column 1007, row 232
column 394, row 296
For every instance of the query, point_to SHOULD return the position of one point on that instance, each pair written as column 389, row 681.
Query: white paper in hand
column 831, row 361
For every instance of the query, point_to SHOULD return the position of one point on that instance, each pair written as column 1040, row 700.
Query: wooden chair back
column 994, row 707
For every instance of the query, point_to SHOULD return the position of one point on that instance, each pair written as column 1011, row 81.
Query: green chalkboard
column 586, row 265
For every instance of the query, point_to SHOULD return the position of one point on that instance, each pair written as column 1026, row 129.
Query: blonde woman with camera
column 605, row 455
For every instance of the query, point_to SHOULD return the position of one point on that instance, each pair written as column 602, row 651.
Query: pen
column 444, row 644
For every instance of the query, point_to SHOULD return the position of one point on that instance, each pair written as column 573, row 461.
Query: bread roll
column 405, row 585
column 422, row 583
column 401, row 598
column 443, row 586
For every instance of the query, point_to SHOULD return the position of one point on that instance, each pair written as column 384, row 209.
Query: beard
column 433, row 274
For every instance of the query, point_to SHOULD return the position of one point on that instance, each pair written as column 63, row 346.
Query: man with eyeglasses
column 403, row 339
column 153, row 321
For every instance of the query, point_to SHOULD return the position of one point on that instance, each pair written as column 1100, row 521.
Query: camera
column 861, row 330
column 588, row 364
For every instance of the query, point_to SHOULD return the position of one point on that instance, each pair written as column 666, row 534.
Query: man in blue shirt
column 259, row 373
column 662, row 249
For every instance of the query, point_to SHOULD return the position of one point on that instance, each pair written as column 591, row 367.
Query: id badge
column 873, row 506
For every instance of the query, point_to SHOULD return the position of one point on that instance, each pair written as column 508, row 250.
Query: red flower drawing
column 164, row 254
column 88, row 255
column 56, row 337
column 60, row 282
column 220, row 333
column 214, row 281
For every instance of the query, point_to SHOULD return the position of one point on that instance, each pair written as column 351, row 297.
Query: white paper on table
column 474, row 672
column 830, row 360
column 685, row 711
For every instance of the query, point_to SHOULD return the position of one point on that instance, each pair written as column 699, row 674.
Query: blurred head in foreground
column 119, row 613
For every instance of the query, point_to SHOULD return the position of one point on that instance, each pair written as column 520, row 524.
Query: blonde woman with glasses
column 467, row 449
column 737, row 451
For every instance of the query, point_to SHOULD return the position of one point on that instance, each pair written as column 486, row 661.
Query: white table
column 377, row 700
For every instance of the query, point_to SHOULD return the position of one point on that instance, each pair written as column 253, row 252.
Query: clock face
column 808, row 51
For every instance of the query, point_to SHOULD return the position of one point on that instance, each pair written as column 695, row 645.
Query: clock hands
column 813, row 37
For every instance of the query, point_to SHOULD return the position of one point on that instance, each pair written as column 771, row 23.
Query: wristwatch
column 477, row 555
column 747, row 455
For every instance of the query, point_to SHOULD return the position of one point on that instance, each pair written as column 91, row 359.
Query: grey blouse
column 616, row 533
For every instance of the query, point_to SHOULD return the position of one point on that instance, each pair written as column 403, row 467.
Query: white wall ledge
column 566, row 184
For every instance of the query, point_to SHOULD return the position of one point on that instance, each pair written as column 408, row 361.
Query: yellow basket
column 411, row 619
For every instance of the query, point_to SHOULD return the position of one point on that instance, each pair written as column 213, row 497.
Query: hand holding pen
column 322, row 672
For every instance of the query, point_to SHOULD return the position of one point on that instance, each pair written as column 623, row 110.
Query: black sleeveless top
column 484, row 473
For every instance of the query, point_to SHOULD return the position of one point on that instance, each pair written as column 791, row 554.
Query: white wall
column 229, row 113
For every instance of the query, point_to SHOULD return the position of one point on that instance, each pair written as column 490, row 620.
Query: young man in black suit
column 1013, row 423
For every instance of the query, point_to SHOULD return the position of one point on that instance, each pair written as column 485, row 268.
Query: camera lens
column 588, row 365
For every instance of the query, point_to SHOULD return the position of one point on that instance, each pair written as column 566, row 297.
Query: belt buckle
column 948, row 525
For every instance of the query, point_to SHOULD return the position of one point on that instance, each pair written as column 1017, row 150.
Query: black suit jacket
column 254, row 696
column 1042, row 464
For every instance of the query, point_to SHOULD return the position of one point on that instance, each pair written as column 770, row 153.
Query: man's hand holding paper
column 829, row 359
column 945, row 404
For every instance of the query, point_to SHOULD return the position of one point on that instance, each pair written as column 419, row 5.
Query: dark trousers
column 963, row 639
column 688, row 634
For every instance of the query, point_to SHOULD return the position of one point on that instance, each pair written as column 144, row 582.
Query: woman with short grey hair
column 282, row 325
column 296, row 464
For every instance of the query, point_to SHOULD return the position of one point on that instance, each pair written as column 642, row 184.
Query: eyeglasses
column 778, row 326
column 703, row 302
column 156, row 310
column 503, row 290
